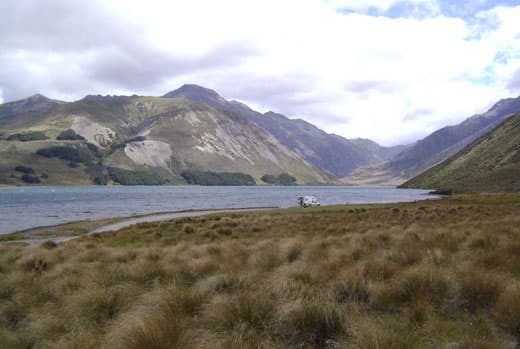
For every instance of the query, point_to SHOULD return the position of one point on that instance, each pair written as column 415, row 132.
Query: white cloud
column 380, row 5
column 389, row 79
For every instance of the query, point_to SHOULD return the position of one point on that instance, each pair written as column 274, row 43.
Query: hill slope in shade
column 434, row 148
column 491, row 164
column 449, row 140
column 155, row 138
column 330, row 153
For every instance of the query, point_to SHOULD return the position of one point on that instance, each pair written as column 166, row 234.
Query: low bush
column 24, row 169
column 127, row 177
column 217, row 178
column 65, row 153
column 70, row 135
column 282, row 179
column 28, row 137
column 27, row 178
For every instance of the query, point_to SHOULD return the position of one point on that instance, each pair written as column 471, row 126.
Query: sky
column 389, row 70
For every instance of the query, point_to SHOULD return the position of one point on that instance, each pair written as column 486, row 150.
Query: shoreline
column 117, row 223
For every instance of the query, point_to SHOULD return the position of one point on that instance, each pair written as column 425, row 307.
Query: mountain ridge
column 490, row 164
column 436, row 147
column 153, row 138
column 333, row 154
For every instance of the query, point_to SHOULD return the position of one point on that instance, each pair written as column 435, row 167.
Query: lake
column 29, row 207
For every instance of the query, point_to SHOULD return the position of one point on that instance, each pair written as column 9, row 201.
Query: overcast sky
column 389, row 70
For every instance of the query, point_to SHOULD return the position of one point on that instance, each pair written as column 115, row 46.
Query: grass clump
column 507, row 311
column 315, row 324
column 417, row 284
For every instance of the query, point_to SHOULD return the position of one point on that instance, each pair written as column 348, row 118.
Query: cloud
column 393, row 75
column 514, row 83
column 417, row 113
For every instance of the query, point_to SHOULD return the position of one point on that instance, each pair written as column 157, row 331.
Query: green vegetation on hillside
column 28, row 137
column 491, row 164
column 282, row 179
column 24, row 169
column 127, row 177
column 371, row 276
column 69, row 135
column 66, row 153
column 217, row 178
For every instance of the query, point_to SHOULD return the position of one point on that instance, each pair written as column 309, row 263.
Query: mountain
column 434, row 148
column 491, row 164
column 330, row 153
column 24, row 110
column 136, row 140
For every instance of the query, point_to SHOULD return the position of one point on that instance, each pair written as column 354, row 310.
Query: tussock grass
column 441, row 274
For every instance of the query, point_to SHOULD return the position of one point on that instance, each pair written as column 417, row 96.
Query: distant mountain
column 136, row 140
column 330, row 153
column 449, row 140
column 491, row 164
column 434, row 148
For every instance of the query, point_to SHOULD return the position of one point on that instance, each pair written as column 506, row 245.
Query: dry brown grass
column 442, row 274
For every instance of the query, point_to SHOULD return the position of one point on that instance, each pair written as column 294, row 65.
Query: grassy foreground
column 437, row 274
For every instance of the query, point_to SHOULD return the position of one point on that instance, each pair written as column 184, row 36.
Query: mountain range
column 490, row 164
column 192, row 132
column 436, row 147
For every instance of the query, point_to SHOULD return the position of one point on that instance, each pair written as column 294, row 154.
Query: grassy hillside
column 492, row 164
column 378, row 276
column 435, row 148
column 155, row 138
column 330, row 153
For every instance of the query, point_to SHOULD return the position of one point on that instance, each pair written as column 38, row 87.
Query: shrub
column 27, row 137
column 65, row 153
column 69, row 135
column 23, row 169
column 97, row 173
column 269, row 179
column 217, row 178
column 282, row 179
column 30, row 179
column 286, row 179
column 127, row 177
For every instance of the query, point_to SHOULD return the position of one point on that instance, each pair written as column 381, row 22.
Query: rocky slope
column 330, row 153
column 491, row 164
column 138, row 139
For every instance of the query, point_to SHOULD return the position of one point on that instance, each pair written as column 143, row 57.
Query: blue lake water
column 28, row 207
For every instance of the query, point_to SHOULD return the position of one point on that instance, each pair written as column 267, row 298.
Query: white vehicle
column 308, row 201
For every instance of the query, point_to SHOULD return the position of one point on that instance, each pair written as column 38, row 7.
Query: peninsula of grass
column 431, row 274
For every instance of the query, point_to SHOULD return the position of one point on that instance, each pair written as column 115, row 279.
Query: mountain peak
column 38, row 96
column 197, row 93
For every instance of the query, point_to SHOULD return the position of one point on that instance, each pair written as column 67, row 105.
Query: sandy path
column 166, row 217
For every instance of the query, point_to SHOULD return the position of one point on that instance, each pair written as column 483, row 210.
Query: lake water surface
column 28, row 207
